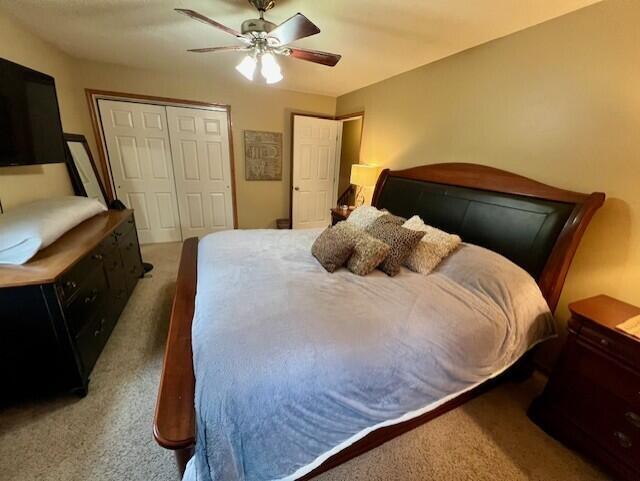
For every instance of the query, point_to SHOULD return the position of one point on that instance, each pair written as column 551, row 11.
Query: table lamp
column 362, row 176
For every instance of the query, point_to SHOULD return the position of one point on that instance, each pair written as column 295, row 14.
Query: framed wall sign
column 262, row 155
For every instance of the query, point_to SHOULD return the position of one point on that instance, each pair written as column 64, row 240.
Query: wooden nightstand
column 339, row 214
column 592, row 399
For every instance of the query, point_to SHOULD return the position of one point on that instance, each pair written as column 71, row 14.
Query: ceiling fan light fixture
column 271, row 69
column 264, row 39
column 247, row 67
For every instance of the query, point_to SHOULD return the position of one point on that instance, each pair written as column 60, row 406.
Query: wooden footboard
column 174, row 423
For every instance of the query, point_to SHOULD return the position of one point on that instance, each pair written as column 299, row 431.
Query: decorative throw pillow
column 402, row 242
column 333, row 247
column 434, row 246
column 349, row 230
column 389, row 217
column 363, row 216
column 368, row 253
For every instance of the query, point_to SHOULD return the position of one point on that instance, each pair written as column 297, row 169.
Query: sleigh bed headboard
column 534, row 225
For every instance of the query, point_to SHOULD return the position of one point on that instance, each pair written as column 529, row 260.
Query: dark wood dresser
column 592, row 399
column 58, row 310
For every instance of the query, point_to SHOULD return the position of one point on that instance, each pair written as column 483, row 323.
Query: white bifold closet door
column 172, row 165
column 137, row 141
column 201, row 162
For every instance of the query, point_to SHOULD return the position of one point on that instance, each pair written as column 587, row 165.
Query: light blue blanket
column 293, row 364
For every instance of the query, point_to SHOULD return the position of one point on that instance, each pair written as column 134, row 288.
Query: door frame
column 103, row 158
column 340, row 118
column 343, row 119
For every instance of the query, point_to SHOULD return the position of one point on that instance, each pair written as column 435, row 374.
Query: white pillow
column 33, row 226
column 432, row 248
column 363, row 216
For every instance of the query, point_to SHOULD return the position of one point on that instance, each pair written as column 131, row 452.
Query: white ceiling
column 377, row 38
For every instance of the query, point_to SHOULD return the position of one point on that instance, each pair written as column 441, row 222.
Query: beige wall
column 349, row 151
column 559, row 102
column 252, row 108
column 21, row 184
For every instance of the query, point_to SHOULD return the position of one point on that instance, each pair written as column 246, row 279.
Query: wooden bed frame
column 174, row 425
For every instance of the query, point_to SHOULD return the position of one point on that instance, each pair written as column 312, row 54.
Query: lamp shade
column 364, row 175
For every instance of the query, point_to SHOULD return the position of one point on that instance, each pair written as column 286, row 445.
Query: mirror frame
column 78, row 186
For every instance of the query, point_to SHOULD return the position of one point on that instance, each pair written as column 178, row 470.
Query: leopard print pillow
column 402, row 242
column 334, row 246
column 389, row 217
column 368, row 253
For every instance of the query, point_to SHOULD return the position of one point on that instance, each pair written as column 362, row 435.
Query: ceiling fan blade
column 235, row 48
column 201, row 18
column 324, row 58
column 295, row 28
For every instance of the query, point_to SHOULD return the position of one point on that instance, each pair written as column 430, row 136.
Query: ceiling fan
column 262, row 39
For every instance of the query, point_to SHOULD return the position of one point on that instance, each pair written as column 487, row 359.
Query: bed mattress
column 294, row 364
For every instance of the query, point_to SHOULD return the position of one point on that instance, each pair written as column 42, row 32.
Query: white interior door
column 137, row 142
column 314, row 160
column 202, row 165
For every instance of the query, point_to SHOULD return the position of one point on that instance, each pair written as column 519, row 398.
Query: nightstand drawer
column 598, row 370
column 611, row 422
column 614, row 345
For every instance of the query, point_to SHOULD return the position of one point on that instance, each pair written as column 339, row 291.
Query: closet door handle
column 296, row 188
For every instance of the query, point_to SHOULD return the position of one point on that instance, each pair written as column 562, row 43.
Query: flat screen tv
column 30, row 127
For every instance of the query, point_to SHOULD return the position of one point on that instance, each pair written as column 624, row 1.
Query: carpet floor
column 107, row 435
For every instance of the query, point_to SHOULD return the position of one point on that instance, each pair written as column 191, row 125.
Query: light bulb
column 270, row 69
column 247, row 67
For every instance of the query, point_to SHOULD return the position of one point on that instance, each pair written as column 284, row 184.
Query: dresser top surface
column 53, row 261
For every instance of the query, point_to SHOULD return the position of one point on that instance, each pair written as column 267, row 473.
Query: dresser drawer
column 131, row 260
column 612, row 344
column 71, row 282
column 92, row 294
column 124, row 229
column 90, row 341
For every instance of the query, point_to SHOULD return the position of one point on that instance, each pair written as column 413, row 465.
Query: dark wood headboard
column 534, row 225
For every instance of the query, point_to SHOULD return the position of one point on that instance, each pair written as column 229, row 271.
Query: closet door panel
column 138, row 145
column 202, row 166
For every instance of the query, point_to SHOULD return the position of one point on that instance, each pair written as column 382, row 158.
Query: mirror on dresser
column 82, row 169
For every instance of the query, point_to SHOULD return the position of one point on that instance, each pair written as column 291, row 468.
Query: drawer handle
column 97, row 257
column 633, row 418
column 92, row 298
column 605, row 342
column 98, row 331
column 71, row 285
column 623, row 440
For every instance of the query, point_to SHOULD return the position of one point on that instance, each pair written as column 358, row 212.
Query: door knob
column 296, row 188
